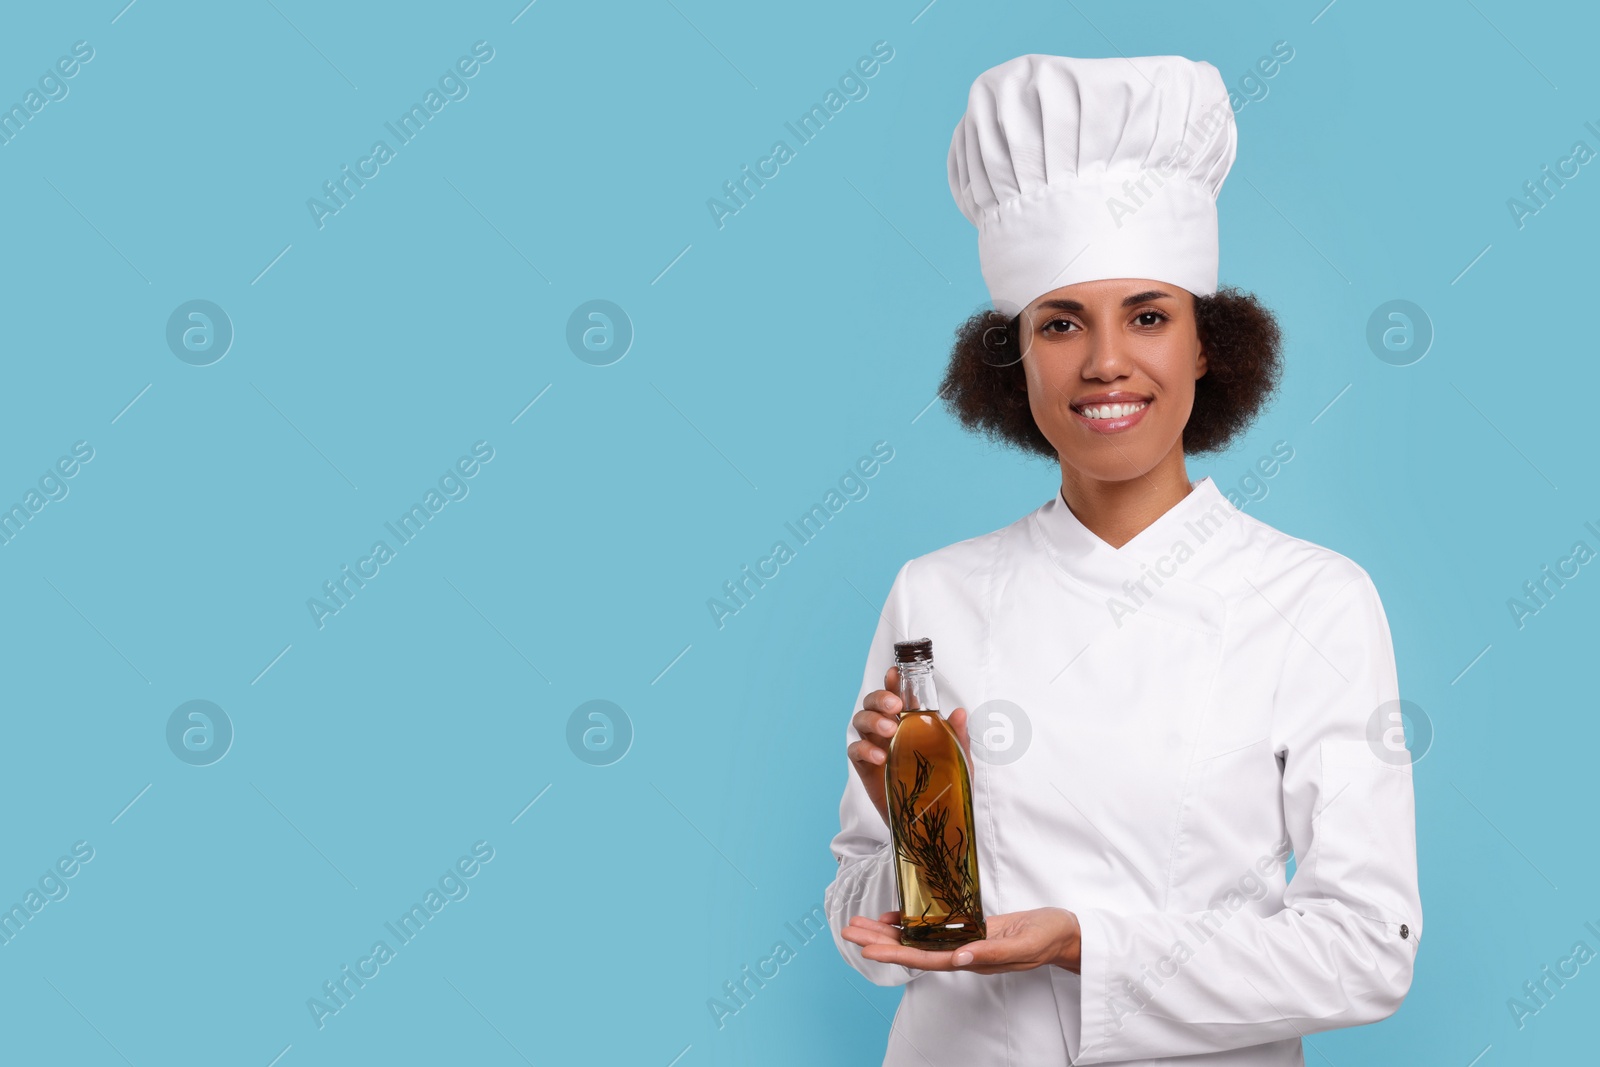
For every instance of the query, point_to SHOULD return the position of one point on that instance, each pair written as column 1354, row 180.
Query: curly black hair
column 984, row 386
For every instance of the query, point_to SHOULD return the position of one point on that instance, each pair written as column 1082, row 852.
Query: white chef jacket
column 1199, row 703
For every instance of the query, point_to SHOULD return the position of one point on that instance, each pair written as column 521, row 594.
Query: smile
column 1111, row 411
column 1114, row 417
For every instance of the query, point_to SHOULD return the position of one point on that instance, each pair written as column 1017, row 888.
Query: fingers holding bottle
column 958, row 725
column 875, row 725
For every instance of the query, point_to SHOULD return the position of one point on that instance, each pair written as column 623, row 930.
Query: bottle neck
column 916, row 687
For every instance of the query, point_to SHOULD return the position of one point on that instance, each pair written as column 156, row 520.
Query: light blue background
column 771, row 355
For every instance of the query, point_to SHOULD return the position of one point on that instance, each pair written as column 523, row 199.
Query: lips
column 1111, row 412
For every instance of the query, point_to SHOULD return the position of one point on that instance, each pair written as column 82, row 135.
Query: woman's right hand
column 875, row 724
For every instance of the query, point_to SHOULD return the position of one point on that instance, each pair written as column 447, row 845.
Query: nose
column 1104, row 358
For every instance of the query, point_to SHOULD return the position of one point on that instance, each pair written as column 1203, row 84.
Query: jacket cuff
column 867, row 888
column 1088, row 1022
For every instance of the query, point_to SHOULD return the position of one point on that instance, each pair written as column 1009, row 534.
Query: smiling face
column 1111, row 366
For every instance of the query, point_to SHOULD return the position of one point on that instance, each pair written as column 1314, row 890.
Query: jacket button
column 1405, row 931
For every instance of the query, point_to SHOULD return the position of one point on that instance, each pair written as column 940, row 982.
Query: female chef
column 1187, row 691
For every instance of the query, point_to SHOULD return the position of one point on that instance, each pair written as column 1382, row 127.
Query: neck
column 1116, row 511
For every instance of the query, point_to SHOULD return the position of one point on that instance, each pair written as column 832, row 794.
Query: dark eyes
column 1149, row 313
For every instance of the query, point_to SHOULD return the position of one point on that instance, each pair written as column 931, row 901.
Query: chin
column 1122, row 471
column 1110, row 461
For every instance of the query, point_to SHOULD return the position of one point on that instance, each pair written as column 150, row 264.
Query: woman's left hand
column 1019, row 941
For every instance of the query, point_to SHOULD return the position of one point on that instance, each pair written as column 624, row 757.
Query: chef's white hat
column 1079, row 169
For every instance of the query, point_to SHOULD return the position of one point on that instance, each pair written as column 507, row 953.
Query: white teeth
column 1112, row 411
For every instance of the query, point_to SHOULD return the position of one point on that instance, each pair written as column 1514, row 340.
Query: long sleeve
column 865, row 883
column 1341, row 950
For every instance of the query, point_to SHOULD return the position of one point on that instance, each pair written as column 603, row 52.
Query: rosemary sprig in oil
column 926, row 840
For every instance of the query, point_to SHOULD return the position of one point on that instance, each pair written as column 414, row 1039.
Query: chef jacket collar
column 1187, row 545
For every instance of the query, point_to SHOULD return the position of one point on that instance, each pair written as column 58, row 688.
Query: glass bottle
column 929, row 793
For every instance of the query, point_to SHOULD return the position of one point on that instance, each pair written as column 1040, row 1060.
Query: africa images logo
column 452, row 87
column 852, row 86
column 452, row 886
column 453, row 486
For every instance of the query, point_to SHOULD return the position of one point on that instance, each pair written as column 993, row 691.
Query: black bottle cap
column 919, row 651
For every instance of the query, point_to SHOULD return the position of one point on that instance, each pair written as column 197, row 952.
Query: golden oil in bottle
column 929, row 791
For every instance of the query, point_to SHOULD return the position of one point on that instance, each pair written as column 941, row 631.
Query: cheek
column 1047, row 381
column 1179, row 385
column 1044, row 397
column 1180, row 409
column 1039, row 391
column 1030, row 374
column 1175, row 373
column 1180, row 398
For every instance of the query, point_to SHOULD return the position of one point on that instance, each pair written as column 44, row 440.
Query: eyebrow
column 1073, row 305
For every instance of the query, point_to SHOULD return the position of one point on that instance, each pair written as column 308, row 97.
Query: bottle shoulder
column 925, row 732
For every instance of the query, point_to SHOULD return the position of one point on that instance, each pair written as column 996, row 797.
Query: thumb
column 958, row 723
